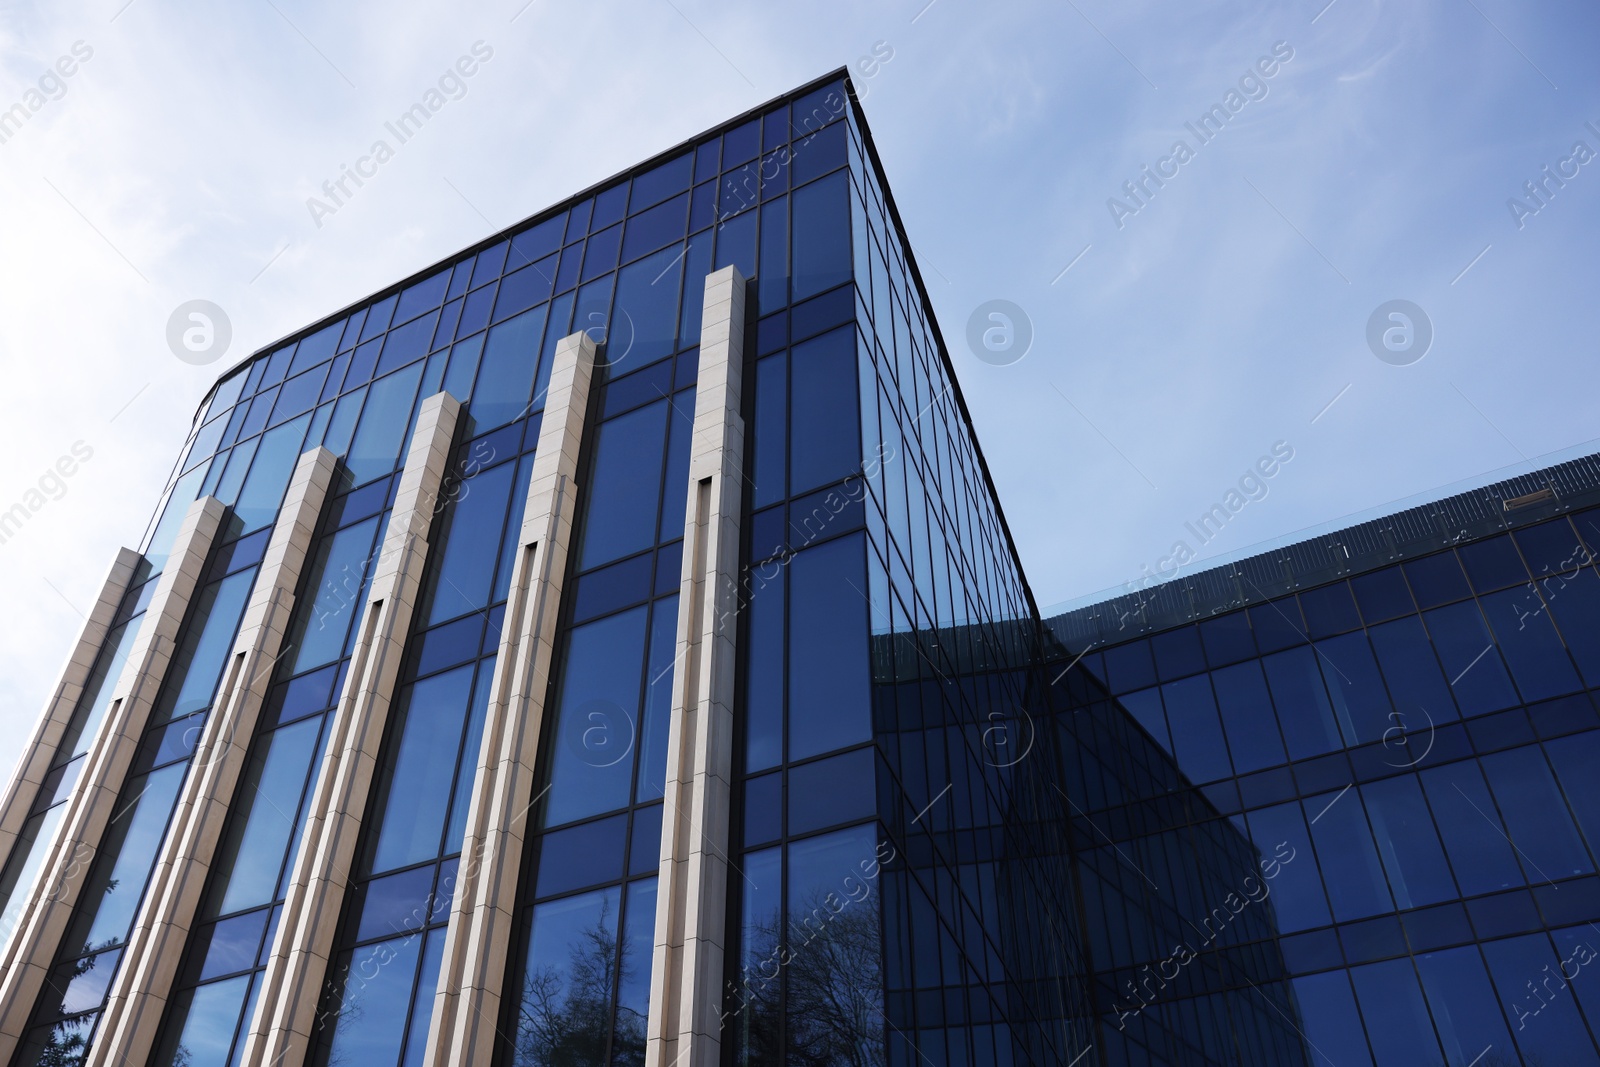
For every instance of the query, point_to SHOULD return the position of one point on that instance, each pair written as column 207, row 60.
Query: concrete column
column 27, row 959
column 292, row 984
column 139, row 993
column 466, row 1005
column 686, row 976
column 40, row 751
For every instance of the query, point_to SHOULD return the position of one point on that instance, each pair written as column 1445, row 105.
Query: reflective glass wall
column 1422, row 737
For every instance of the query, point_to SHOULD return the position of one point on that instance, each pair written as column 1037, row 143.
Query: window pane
column 1297, row 892
column 269, row 475
column 764, row 670
column 370, row 1022
column 122, row 867
column 467, row 763
column 1463, row 1002
column 1545, row 1026
column 1536, row 815
column 1196, row 731
column 431, row 716
column 564, row 1014
column 264, row 817
column 1350, row 867
column 1397, row 1019
column 658, row 700
column 1473, row 838
column 1360, row 702
column 1538, row 660
column 771, row 432
column 834, row 996
column 380, row 436
column 829, row 683
column 1302, row 702
column 644, row 320
column 1476, row 674
column 337, row 578
column 1247, row 715
column 633, row 975
column 596, row 718
column 468, row 545
column 1417, row 687
column 209, row 639
column 625, row 486
column 212, row 1015
column 825, row 422
column 505, row 376
column 821, row 235
column 1408, row 843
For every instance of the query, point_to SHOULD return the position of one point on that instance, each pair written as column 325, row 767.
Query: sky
column 1177, row 335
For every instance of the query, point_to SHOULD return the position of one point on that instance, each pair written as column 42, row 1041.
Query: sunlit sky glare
column 1175, row 341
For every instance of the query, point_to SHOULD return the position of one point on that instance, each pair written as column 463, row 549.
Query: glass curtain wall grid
column 1422, row 737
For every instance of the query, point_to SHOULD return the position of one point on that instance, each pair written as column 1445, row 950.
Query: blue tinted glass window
column 529, row 286
column 475, row 311
column 263, row 489
column 491, row 261
column 832, row 791
column 1493, row 563
column 1247, row 716
column 1360, row 702
column 1476, row 673
column 1536, row 815
column 370, row 1025
column 1395, row 1013
column 1350, row 866
column 829, row 680
column 378, row 316
column 536, row 242
column 1476, row 843
column 736, row 244
column 1277, row 624
column 505, row 376
column 568, row 964
column 380, row 435
column 601, row 255
column 1407, row 842
column 825, row 425
column 1464, row 1007
column 633, row 972
column 582, row 855
column 298, row 395
column 1417, row 688
column 334, row 589
column 763, row 650
column 1538, row 660
column 772, row 274
column 658, row 700
column 770, row 431
column 625, row 486
column 1329, row 610
column 1196, row 730
column 662, row 225
column 1382, row 595
column 1548, row 1027
column 463, row 367
column 741, row 144
column 608, row 206
column 1297, row 891
column 821, row 235
column 423, row 296
column 251, row 858
column 597, row 714
column 467, row 547
column 416, row 790
column 1304, row 711
column 819, row 153
column 1436, row 579
column 1177, row 653
column 644, row 321
column 212, row 1015
column 1227, row 638
column 111, row 893
column 1145, row 707
column 195, row 671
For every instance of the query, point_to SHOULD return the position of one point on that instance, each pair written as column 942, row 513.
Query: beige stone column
column 286, row 1011
column 138, row 994
column 466, row 1006
column 40, row 751
column 686, row 976
column 27, row 959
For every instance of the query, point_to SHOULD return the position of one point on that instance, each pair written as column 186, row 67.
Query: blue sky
column 1226, row 315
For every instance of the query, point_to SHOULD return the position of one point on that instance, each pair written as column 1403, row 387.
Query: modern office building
column 606, row 647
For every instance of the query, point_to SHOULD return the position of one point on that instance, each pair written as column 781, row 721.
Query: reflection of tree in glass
column 834, row 979
column 564, row 1020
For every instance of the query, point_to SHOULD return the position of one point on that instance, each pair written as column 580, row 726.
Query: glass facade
column 1333, row 804
column 1420, row 735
